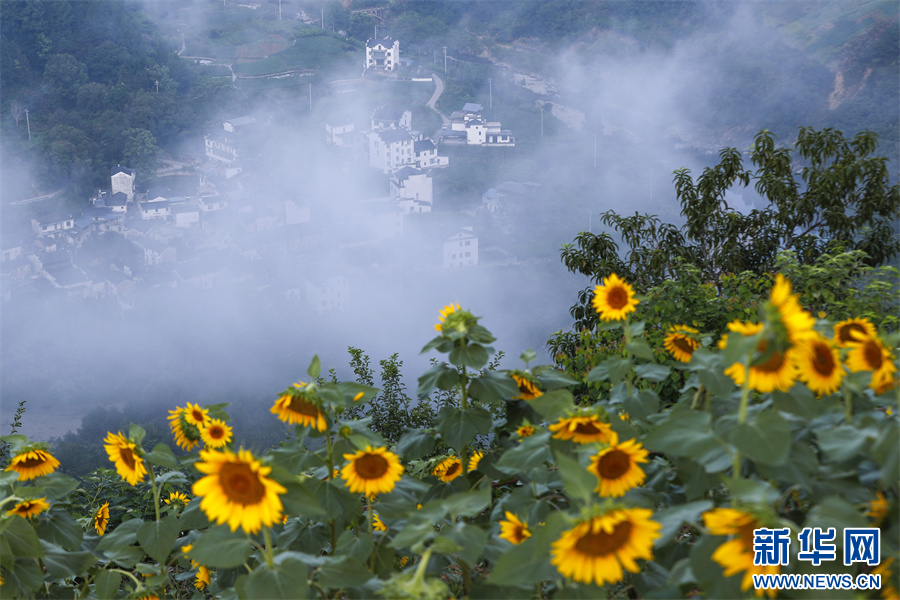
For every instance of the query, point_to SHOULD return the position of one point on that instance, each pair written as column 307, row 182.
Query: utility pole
column 279, row 10
column 27, row 122
column 157, row 86
column 542, row 122
column 445, row 59
column 310, row 97
column 491, row 91
column 323, row 17
column 595, row 150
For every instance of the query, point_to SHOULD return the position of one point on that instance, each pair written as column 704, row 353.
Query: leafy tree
column 842, row 200
column 140, row 150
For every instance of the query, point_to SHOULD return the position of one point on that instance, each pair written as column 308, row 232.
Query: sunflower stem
column 630, row 374
column 742, row 414
column 848, row 404
column 371, row 519
column 467, row 579
column 140, row 584
column 464, row 404
column 155, row 491
column 270, row 555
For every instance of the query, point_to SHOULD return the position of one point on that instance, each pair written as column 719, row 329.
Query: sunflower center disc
column 773, row 364
column 240, row 484
column 602, row 543
column 31, row 463
column 684, row 345
column 587, row 429
column 824, row 361
column 371, row 466
column 451, row 471
column 304, row 407
column 873, row 355
column 617, row 298
column 613, row 464
column 851, row 332
column 127, row 457
column 216, row 433
column 198, row 416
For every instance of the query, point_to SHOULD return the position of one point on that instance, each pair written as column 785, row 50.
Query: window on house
column 452, row 256
column 468, row 254
column 468, row 242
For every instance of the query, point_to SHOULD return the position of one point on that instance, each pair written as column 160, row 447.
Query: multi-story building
column 382, row 55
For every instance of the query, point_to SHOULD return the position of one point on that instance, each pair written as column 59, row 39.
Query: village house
column 470, row 127
column 341, row 134
column 461, row 248
column 391, row 117
column 155, row 210
column 52, row 223
column 426, row 155
column 390, row 149
column 412, row 190
column 382, row 55
column 122, row 180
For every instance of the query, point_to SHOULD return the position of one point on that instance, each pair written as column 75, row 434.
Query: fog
column 231, row 317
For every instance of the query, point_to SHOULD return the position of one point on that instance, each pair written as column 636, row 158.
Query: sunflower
column 796, row 322
column 870, row 354
column 528, row 389
column 513, row 530
column 33, row 462
column 101, row 518
column 448, row 469
column 126, row 456
column 237, row 490
column 852, row 331
column 29, row 508
column 178, row 499
column 878, row 508
column 524, row 431
column 187, row 435
column 372, row 471
column 616, row 468
column 446, row 312
column 819, row 365
column 889, row 577
column 681, row 342
column 377, row 523
column 216, row 433
column 614, row 299
column 202, row 579
column 298, row 409
column 736, row 555
column 584, row 430
column 596, row 550
column 475, row 459
column 778, row 371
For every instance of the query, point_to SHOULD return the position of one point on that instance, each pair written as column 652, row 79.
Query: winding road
column 438, row 90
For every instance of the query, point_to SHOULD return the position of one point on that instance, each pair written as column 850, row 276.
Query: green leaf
column 672, row 519
column 60, row 528
column 162, row 456
column 618, row 367
column 221, row 548
column 459, row 427
column 533, row 453
column 354, row 544
column 764, row 438
column 136, row 433
column 578, row 482
column 553, row 405
column 342, row 572
column 193, row 516
column 471, row 355
column 493, row 387
column 640, row 349
column 18, row 539
column 55, row 486
column 552, row 379
column 315, row 367
column 416, row 443
column 471, row 541
column 528, row 356
column 440, row 376
column 445, row 545
column 287, row 579
column 124, row 556
column 300, row 499
column 598, row 373
column 525, row 564
column 751, row 491
column 684, row 433
column 642, row 405
column 836, row 512
column 417, row 531
column 158, row 537
column 64, row 564
column 23, row 574
column 841, row 443
column 106, row 583
column 465, row 504
column 652, row 372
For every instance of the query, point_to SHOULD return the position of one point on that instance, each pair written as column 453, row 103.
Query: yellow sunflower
column 870, row 354
column 448, row 469
column 596, row 550
column 525, row 431
column 681, row 342
column 216, row 433
column 178, row 499
column 778, row 371
column 446, row 312
column 616, row 468
column 584, row 430
column 32, row 463
column 298, row 409
column 196, row 415
column 377, row 523
column 126, row 456
column 797, row 323
column 614, row 299
column 475, row 459
column 187, row 435
column 101, row 518
column 736, row 555
column 852, row 331
column 528, row 389
column 888, row 578
column 819, row 365
column 372, row 471
column 237, row 491
column 513, row 530
column 202, row 579
column 29, row 508
column 878, row 508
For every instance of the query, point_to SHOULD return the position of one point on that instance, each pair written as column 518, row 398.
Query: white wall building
column 122, row 180
column 461, row 249
column 382, row 55
column 413, row 190
column 391, row 149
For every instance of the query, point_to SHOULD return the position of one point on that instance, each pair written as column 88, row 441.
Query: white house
column 52, row 223
column 122, row 180
column 391, row 117
column 390, row 149
column 426, row 155
column 117, row 203
column 211, row 202
column 340, row 134
column 326, row 291
column 155, row 210
column 461, row 248
column 186, row 215
column 382, row 55
column 413, row 190
column 478, row 130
